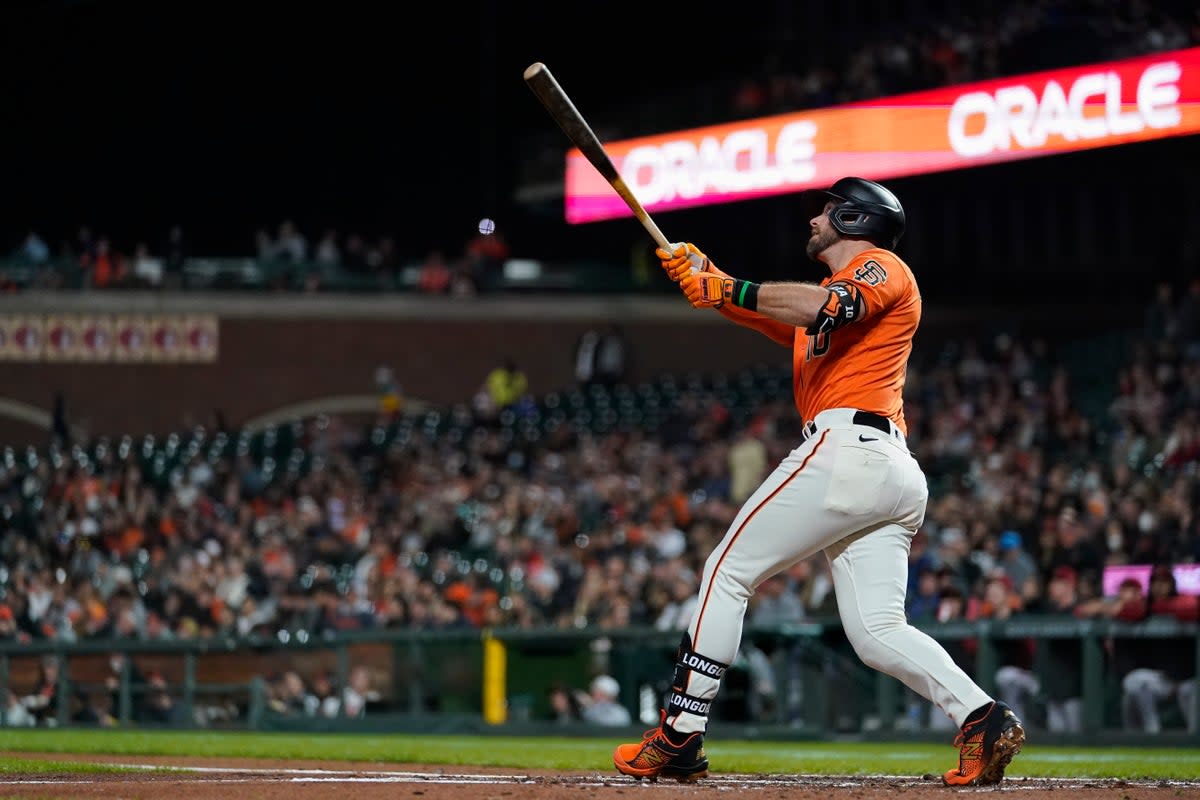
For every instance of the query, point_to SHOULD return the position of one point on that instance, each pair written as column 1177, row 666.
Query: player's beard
column 819, row 242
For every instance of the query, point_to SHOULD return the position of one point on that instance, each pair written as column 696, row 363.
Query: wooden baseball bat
column 543, row 84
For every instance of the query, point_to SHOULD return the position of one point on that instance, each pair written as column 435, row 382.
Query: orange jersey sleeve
column 773, row 329
column 862, row 364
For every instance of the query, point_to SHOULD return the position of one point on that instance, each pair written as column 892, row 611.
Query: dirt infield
column 305, row 780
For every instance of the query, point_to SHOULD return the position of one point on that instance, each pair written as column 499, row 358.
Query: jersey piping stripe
column 745, row 522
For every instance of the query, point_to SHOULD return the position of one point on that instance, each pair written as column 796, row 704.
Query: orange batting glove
column 682, row 259
column 704, row 290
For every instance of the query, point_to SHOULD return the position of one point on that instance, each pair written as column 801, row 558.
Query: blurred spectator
column 266, row 249
column 43, row 701
column 462, row 282
column 289, row 695
column 1016, row 562
column 9, row 632
column 748, row 462
column 585, row 357
column 563, row 708
column 328, row 253
column 600, row 706
column 96, row 710
column 16, row 715
column 118, row 664
column 33, row 250
column 147, row 270
column 955, row 564
column 324, row 697
column 103, row 267
column 775, row 603
column 923, row 602
column 290, row 243
column 358, row 694
column 1074, row 546
column 485, row 255
column 505, row 385
column 681, row 605
column 435, row 274
column 389, row 392
column 157, row 704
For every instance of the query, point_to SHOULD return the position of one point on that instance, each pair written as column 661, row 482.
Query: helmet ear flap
column 847, row 219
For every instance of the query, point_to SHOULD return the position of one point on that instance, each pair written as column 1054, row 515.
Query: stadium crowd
column 1030, row 501
column 943, row 49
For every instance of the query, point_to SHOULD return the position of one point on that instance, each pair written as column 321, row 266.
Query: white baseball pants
column 1141, row 691
column 858, row 494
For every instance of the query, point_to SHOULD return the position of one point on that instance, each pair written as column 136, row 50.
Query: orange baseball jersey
column 862, row 364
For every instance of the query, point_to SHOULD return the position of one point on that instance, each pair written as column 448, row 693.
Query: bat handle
column 661, row 240
column 658, row 236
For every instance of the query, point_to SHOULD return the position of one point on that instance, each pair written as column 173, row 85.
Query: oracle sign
column 740, row 161
column 952, row 128
column 1018, row 116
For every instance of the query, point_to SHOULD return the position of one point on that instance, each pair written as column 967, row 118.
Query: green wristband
column 745, row 294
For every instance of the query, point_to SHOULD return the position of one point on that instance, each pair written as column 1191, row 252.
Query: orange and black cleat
column 655, row 756
column 986, row 746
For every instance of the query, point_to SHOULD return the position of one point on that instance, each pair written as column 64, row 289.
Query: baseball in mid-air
column 487, row 226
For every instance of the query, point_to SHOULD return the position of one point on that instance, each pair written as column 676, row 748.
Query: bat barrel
column 542, row 83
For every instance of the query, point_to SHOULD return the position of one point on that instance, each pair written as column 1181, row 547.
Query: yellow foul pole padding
column 495, row 696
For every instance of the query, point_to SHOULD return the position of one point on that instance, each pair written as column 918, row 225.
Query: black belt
column 876, row 421
column 873, row 420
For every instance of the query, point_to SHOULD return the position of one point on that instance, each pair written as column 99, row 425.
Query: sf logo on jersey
column 871, row 273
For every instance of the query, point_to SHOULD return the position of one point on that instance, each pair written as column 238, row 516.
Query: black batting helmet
column 866, row 209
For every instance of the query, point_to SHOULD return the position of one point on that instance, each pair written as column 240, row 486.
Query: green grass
column 588, row 754
column 12, row 764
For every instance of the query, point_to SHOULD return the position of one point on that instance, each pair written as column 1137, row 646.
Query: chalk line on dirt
column 210, row 774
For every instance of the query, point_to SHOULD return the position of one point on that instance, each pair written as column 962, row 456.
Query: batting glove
column 683, row 258
column 704, row 290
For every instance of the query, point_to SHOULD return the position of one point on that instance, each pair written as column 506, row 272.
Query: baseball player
column 850, row 488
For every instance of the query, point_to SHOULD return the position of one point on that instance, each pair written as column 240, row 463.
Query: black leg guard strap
column 678, row 702
column 688, row 660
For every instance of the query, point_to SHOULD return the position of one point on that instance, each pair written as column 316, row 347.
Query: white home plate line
column 309, row 775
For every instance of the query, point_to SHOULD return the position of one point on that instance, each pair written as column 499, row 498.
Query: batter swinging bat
column 555, row 100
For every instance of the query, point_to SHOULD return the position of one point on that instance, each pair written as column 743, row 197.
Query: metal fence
column 800, row 681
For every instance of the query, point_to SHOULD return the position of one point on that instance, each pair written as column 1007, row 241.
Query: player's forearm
column 796, row 304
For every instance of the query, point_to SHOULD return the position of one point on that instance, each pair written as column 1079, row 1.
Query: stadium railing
column 442, row 680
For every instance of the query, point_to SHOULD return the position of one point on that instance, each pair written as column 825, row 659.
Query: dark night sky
column 131, row 116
